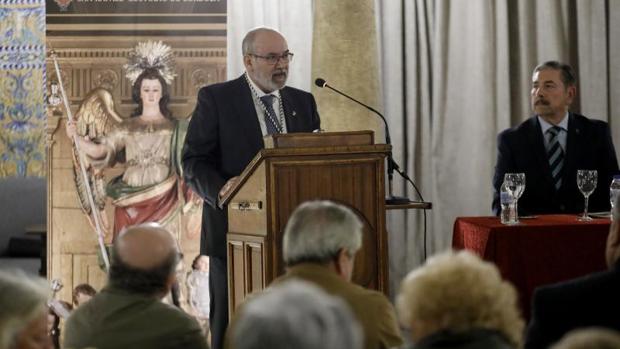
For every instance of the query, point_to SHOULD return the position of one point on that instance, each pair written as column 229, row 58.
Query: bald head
column 143, row 260
column 259, row 36
column 144, row 246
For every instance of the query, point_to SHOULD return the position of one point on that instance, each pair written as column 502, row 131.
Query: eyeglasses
column 274, row 59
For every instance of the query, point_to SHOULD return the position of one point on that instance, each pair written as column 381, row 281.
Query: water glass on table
column 515, row 186
column 586, row 182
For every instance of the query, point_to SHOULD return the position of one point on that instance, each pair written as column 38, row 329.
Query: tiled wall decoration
column 22, row 86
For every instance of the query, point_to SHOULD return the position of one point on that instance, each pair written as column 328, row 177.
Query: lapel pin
column 294, row 113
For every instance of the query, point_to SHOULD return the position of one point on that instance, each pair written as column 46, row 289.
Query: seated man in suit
column 319, row 245
column 128, row 312
column 552, row 145
column 585, row 302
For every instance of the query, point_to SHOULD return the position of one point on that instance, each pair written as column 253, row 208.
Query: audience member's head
column 144, row 258
column 82, row 293
column 23, row 311
column 323, row 232
column 296, row 314
column 458, row 292
column 589, row 338
column 201, row 263
column 612, row 250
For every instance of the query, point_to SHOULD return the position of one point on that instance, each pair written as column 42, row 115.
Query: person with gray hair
column 226, row 131
column 23, row 311
column 457, row 300
column 296, row 314
column 320, row 241
column 589, row 338
column 589, row 301
column 128, row 312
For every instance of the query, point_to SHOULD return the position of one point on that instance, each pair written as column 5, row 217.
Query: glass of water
column 515, row 184
column 586, row 182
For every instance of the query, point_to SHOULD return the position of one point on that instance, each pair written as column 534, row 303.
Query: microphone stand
column 391, row 164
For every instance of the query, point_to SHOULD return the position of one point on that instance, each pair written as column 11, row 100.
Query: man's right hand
column 228, row 187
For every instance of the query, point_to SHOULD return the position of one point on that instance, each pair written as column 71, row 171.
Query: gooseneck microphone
column 392, row 166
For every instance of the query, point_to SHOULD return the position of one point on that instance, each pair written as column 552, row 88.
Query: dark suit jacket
column 223, row 137
column 477, row 338
column 592, row 300
column 588, row 146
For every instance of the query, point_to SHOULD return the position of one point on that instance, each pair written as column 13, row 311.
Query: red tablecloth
column 537, row 251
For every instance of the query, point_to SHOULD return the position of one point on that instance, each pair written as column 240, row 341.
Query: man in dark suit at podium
column 226, row 132
column 552, row 145
column 589, row 301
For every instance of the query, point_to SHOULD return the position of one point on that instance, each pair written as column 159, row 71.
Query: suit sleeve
column 201, row 151
column 610, row 164
column 503, row 165
column 316, row 120
column 543, row 329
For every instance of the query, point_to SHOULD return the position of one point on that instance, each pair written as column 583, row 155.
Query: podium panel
column 280, row 179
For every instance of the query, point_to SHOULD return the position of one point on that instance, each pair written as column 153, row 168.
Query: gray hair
column 296, row 314
column 247, row 45
column 568, row 75
column 589, row 338
column 318, row 230
column 24, row 297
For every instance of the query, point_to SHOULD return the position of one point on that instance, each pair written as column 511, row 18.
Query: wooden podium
column 346, row 167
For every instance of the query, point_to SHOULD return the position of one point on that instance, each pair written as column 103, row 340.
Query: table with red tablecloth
column 537, row 251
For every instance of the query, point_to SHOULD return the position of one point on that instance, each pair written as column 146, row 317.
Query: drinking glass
column 515, row 183
column 586, row 182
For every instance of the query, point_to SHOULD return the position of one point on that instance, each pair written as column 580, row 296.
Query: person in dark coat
column 588, row 301
column 552, row 145
column 226, row 132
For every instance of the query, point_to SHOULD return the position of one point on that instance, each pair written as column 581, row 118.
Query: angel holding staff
column 149, row 142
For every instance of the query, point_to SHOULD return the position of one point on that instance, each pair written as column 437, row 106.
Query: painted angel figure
column 148, row 143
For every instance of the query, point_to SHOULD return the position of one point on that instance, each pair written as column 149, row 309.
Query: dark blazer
column 589, row 301
column 588, row 146
column 223, row 137
column 477, row 338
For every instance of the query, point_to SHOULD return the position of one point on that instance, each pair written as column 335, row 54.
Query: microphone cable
column 391, row 163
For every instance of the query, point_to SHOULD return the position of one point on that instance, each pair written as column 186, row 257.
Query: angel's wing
column 96, row 117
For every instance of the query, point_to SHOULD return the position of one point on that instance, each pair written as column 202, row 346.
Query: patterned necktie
column 555, row 155
column 270, row 115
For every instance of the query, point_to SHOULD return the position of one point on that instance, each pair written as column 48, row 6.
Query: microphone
column 391, row 199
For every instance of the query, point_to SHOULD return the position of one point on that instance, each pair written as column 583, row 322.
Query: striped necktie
column 555, row 153
column 270, row 115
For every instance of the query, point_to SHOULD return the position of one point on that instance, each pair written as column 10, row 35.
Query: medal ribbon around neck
column 277, row 122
